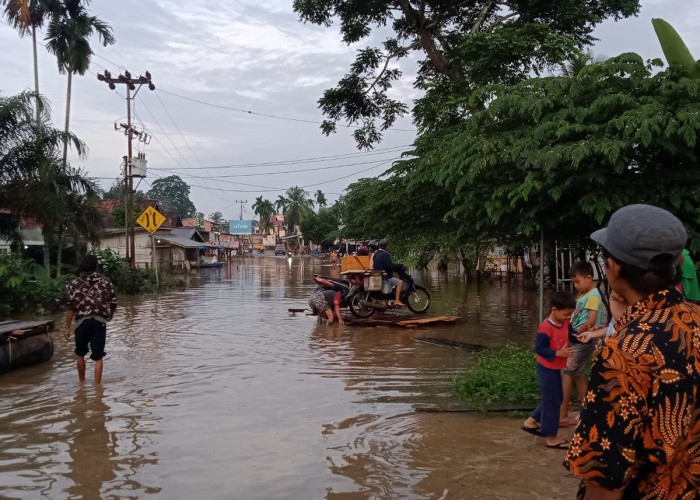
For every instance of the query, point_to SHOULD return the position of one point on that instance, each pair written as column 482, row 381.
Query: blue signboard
column 240, row 226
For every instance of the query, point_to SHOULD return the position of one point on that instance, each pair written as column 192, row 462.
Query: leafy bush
column 25, row 285
column 127, row 280
column 504, row 376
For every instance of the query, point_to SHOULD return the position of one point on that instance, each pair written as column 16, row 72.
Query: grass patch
column 505, row 376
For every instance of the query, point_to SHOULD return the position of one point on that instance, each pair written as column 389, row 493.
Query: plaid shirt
column 91, row 294
column 640, row 426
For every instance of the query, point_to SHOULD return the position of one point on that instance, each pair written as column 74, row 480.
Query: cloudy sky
column 234, row 112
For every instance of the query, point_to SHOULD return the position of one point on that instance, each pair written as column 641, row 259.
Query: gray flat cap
column 638, row 233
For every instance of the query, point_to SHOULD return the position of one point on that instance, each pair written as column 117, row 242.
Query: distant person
column 381, row 261
column 363, row 249
column 552, row 349
column 586, row 316
column 639, row 433
column 334, row 257
column 92, row 302
column 326, row 302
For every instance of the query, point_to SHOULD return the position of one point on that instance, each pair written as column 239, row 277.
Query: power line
column 265, row 115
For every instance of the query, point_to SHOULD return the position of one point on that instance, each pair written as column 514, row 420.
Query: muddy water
column 219, row 392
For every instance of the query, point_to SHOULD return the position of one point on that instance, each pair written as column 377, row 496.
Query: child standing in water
column 552, row 349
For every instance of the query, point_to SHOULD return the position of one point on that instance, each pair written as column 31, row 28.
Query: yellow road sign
column 151, row 219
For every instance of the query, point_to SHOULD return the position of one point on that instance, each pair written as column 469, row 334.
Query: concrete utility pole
column 242, row 202
column 130, row 83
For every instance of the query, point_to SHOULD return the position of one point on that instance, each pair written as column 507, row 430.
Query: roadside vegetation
column 501, row 378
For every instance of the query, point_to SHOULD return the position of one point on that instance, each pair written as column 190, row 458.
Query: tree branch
column 386, row 65
column 426, row 37
column 480, row 19
column 501, row 19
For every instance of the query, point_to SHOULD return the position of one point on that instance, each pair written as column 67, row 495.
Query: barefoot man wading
column 91, row 301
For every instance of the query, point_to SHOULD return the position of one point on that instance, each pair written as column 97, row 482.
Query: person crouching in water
column 552, row 348
column 326, row 302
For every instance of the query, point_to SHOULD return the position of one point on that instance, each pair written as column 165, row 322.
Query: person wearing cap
column 639, row 433
column 381, row 261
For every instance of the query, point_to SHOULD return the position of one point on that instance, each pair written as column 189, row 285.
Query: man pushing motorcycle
column 381, row 261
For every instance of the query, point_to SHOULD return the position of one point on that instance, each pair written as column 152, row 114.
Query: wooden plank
column 31, row 326
column 434, row 319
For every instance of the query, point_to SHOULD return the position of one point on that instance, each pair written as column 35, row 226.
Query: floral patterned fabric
column 91, row 294
column 640, row 427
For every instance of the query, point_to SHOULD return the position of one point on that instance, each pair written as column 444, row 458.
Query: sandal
column 564, row 445
column 535, row 431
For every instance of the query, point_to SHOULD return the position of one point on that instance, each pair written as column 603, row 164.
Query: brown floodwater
column 218, row 392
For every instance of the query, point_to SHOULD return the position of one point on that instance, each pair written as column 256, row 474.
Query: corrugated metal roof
column 178, row 241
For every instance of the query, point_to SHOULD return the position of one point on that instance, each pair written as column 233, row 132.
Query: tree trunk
column 59, row 253
column 46, row 233
column 36, row 74
column 65, row 139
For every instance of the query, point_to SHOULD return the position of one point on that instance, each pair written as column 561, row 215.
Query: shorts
column 576, row 364
column 93, row 333
column 388, row 284
column 317, row 302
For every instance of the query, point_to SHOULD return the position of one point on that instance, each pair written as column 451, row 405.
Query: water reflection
column 91, row 447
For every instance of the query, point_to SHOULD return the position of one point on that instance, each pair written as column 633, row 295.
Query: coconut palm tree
column 320, row 199
column 67, row 35
column 26, row 16
column 299, row 207
column 34, row 182
column 265, row 210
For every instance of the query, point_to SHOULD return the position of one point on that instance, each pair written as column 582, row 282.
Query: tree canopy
column 462, row 43
column 173, row 194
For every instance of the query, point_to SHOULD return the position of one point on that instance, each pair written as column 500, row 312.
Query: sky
column 235, row 112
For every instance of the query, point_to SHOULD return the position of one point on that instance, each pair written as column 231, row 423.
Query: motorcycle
column 346, row 287
column 363, row 303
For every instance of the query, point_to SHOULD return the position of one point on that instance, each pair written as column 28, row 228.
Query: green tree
column 26, row 16
column 265, row 210
column 561, row 154
column 322, row 227
column 297, row 206
column 173, row 194
column 320, row 199
column 462, row 43
column 35, row 182
column 69, row 28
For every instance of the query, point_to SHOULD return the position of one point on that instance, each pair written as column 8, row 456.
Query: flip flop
column 564, row 445
column 535, row 431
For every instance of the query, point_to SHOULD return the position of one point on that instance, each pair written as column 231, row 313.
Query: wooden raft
column 24, row 343
column 26, row 327
column 405, row 323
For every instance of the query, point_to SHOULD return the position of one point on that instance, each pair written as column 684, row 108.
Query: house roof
column 180, row 241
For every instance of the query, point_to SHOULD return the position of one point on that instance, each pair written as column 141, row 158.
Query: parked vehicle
column 365, row 302
column 346, row 288
column 280, row 250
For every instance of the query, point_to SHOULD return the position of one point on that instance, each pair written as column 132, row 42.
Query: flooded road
column 218, row 392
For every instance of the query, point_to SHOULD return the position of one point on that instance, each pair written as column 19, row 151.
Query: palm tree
column 577, row 62
column 26, row 16
column 281, row 204
column 265, row 210
column 33, row 181
column 298, row 207
column 67, row 35
column 320, row 199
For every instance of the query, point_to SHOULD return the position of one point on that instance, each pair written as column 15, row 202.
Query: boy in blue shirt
column 586, row 316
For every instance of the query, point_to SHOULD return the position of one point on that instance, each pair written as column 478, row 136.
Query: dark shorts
column 93, row 333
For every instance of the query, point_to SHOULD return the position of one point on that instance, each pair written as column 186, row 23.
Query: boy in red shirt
column 552, row 349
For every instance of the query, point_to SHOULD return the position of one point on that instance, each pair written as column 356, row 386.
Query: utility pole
column 130, row 83
column 242, row 202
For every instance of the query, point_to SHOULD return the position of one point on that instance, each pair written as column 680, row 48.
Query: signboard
column 199, row 217
column 240, row 226
column 151, row 219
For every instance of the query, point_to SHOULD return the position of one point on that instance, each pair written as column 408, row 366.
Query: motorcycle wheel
column 418, row 301
column 358, row 309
